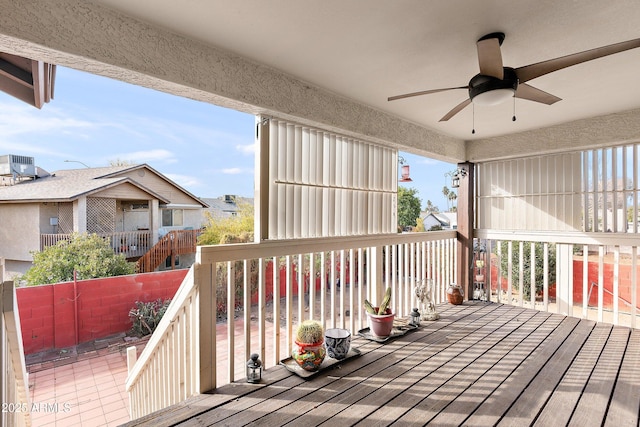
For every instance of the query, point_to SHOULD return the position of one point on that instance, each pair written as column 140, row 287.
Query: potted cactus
column 380, row 318
column 308, row 350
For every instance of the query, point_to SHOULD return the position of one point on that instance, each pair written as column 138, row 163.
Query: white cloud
column 19, row 120
column 185, row 181
column 246, row 149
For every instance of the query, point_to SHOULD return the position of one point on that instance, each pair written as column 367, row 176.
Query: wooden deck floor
column 480, row 364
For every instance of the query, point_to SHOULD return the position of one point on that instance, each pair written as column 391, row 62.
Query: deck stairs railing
column 203, row 342
column 172, row 244
column 14, row 393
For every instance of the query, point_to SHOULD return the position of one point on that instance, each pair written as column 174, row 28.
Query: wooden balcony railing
column 182, row 356
column 14, row 393
column 129, row 243
column 174, row 243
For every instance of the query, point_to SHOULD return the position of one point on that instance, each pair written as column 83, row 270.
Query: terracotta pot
column 381, row 325
column 309, row 356
column 455, row 295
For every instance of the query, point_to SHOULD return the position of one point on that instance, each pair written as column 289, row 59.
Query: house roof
column 118, row 170
column 444, row 218
column 68, row 185
column 223, row 205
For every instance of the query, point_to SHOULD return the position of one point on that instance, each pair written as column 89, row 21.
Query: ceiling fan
column 496, row 83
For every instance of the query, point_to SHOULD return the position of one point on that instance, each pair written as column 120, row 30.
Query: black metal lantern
column 415, row 318
column 458, row 174
column 254, row 369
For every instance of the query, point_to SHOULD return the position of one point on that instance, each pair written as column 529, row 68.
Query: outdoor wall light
column 457, row 176
column 254, row 369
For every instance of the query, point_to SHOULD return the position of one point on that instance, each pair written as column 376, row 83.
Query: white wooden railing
column 185, row 355
column 129, row 243
column 14, row 383
column 596, row 274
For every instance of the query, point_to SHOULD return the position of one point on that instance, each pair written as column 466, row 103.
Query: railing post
column 376, row 285
column 465, row 214
column 205, row 281
column 564, row 278
column 132, row 356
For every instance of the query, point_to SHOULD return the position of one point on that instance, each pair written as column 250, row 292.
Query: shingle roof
column 68, row 185
column 220, row 207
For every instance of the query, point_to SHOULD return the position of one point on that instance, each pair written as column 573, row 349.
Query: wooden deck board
column 481, row 364
column 441, row 369
column 409, row 376
column 625, row 405
column 370, row 366
column 560, row 407
column 595, row 397
column 493, row 368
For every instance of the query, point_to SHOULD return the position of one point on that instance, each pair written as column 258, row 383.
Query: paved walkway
column 81, row 386
column 85, row 385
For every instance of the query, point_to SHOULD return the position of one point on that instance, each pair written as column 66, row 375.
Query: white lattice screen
column 101, row 215
column 65, row 218
column 325, row 184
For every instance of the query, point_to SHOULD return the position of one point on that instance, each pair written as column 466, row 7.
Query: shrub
column 90, row 255
column 146, row 316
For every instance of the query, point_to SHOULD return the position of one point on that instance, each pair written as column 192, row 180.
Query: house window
column 172, row 217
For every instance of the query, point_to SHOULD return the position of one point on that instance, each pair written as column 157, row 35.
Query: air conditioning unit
column 17, row 166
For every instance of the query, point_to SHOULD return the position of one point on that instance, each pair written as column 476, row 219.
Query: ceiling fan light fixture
column 493, row 97
column 488, row 90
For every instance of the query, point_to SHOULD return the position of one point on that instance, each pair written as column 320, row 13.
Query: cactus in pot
column 380, row 318
column 383, row 306
column 309, row 350
column 309, row 332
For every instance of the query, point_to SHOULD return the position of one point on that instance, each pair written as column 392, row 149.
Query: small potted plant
column 309, row 350
column 380, row 318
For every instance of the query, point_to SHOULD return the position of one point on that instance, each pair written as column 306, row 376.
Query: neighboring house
column 446, row 220
column 225, row 206
column 132, row 205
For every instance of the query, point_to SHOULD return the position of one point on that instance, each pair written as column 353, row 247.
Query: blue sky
column 206, row 149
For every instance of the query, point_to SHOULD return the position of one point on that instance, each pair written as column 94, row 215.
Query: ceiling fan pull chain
column 473, row 130
column 514, row 109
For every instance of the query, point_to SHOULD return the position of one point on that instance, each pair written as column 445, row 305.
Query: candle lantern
column 415, row 318
column 254, row 369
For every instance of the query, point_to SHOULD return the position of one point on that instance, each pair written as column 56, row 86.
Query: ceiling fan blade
column 532, row 71
column 424, row 92
column 456, row 110
column 531, row 93
column 490, row 58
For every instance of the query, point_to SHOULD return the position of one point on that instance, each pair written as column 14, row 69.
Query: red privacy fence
column 65, row 314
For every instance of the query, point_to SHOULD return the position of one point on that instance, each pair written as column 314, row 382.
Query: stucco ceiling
column 369, row 50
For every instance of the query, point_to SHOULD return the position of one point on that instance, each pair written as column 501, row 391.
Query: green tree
column 233, row 229
column 446, row 192
column 408, row 207
column 90, row 255
column 452, row 197
column 431, row 208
